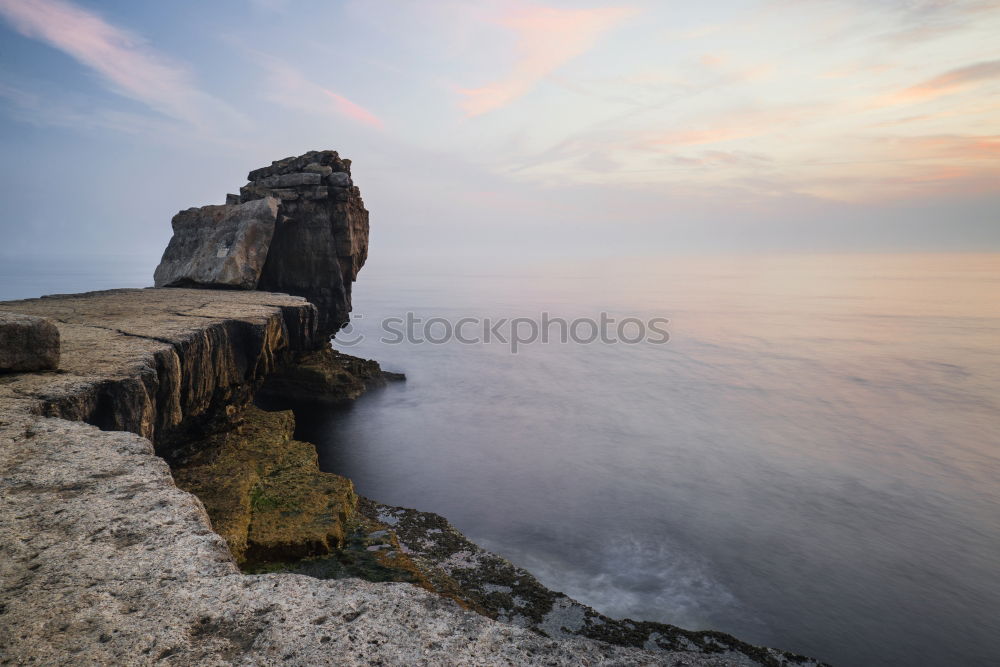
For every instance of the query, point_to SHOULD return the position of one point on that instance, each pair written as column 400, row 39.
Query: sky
column 503, row 129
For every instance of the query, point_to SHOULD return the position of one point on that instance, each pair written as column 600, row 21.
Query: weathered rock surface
column 495, row 586
column 321, row 241
column 299, row 226
column 219, row 246
column 162, row 363
column 324, row 376
column 104, row 561
column 27, row 343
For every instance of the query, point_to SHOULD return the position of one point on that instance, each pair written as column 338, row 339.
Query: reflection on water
column 813, row 462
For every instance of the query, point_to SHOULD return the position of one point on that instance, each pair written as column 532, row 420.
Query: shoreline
column 169, row 365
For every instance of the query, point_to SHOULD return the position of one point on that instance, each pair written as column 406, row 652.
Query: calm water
column 812, row 462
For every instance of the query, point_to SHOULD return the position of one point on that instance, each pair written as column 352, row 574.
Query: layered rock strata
column 299, row 226
column 321, row 241
column 164, row 364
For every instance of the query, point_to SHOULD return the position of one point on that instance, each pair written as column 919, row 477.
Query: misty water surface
column 812, row 462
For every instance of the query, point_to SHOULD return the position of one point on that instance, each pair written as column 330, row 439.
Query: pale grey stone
column 219, row 245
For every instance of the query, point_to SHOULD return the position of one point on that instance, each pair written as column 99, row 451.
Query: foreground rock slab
column 160, row 362
column 27, row 343
column 103, row 560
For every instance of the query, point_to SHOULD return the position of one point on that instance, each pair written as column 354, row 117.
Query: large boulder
column 299, row 226
column 27, row 343
column 219, row 246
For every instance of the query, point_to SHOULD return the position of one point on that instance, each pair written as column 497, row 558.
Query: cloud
column 72, row 112
column 289, row 88
column 965, row 149
column 949, row 82
column 354, row 111
column 547, row 38
column 730, row 125
column 120, row 57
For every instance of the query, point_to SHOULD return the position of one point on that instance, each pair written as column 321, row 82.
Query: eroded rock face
column 321, row 239
column 27, row 343
column 219, row 246
column 162, row 363
column 324, row 376
column 299, row 227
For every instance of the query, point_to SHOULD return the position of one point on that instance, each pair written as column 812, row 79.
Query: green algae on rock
column 264, row 491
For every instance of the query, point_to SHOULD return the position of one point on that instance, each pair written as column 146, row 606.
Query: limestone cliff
column 162, row 363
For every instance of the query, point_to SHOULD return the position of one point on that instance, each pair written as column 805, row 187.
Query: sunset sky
column 564, row 129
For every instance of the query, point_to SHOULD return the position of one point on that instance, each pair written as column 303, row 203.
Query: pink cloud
column 943, row 84
column 738, row 123
column 121, row 58
column 965, row 149
column 357, row 112
column 547, row 38
column 289, row 88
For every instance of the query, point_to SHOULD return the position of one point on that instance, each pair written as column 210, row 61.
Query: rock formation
column 323, row 376
column 312, row 245
column 166, row 364
column 27, row 343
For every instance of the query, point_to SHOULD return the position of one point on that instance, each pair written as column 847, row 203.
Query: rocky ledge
column 104, row 560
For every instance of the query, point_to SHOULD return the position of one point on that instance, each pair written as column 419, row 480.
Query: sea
column 799, row 450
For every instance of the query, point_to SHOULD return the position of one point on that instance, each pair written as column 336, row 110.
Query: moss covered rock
column 264, row 491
